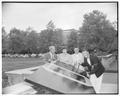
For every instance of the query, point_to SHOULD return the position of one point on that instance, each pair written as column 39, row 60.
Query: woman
column 65, row 57
column 95, row 69
column 78, row 59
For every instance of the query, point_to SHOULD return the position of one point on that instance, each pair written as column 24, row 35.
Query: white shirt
column 78, row 58
column 51, row 55
column 66, row 58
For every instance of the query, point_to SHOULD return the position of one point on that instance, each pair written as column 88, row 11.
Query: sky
column 64, row 15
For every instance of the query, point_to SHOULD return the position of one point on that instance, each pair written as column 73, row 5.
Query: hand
column 53, row 62
column 88, row 73
column 86, row 68
column 49, row 60
column 80, row 71
column 92, row 67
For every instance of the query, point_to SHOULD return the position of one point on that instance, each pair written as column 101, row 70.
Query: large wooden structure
column 60, row 78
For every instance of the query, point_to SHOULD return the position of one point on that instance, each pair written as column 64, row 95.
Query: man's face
column 64, row 51
column 76, row 50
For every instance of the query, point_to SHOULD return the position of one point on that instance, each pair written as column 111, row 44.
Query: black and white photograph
column 59, row 48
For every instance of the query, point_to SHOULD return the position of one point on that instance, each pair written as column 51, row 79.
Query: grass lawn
column 9, row 64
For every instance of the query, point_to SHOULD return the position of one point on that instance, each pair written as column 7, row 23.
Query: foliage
column 72, row 40
column 4, row 41
column 50, row 25
column 50, row 37
column 97, row 31
column 32, row 42
column 16, row 40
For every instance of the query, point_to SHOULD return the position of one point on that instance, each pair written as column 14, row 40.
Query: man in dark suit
column 92, row 64
column 95, row 69
column 51, row 55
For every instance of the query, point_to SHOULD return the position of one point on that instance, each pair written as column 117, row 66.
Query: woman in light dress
column 77, row 60
column 65, row 57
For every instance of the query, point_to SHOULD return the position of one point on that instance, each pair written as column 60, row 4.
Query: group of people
column 81, row 62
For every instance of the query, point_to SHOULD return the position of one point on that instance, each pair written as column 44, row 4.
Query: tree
column 97, row 31
column 115, row 25
column 16, row 40
column 4, row 41
column 50, row 25
column 50, row 36
column 57, row 39
column 32, row 42
column 72, row 41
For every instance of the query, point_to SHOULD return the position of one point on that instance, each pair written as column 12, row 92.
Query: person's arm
column 81, row 58
column 73, row 63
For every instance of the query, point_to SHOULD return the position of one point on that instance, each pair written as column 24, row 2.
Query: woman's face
column 85, row 54
column 76, row 50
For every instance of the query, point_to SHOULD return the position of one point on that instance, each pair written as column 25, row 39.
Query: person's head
column 85, row 53
column 52, row 49
column 64, row 50
column 76, row 50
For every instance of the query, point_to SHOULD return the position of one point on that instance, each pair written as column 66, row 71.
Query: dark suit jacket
column 85, row 64
column 96, row 66
column 48, row 58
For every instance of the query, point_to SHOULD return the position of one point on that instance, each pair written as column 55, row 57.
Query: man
column 94, row 67
column 50, row 56
column 65, row 57
column 78, row 59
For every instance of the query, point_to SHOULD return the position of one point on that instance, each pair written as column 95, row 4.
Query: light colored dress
column 66, row 58
column 78, row 59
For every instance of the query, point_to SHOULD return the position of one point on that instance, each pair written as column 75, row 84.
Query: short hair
column 50, row 47
column 76, row 48
column 64, row 49
column 85, row 51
